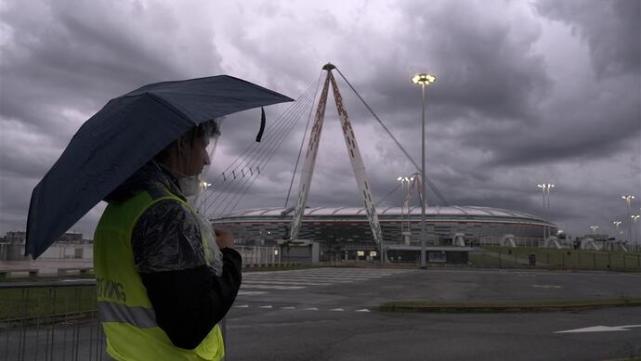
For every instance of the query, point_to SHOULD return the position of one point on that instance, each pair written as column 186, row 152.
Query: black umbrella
column 123, row 136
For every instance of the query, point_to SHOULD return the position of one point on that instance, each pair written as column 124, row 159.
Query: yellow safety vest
column 127, row 316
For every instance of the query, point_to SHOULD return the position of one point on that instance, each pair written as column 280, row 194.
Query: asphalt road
column 328, row 314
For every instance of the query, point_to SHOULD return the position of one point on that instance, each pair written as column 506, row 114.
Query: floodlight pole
column 423, row 80
column 628, row 199
column 423, row 195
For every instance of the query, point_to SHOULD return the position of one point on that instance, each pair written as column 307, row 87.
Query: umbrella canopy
column 124, row 135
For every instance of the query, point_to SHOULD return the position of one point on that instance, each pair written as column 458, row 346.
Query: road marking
column 546, row 286
column 268, row 287
column 242, row 306
column 600, row 329
column 251, row 293
column 266, row 306
column 311, row 309
column 306, row 279
column 286, row 282
column 337, row 309
column 288, row 308
column 362, row 310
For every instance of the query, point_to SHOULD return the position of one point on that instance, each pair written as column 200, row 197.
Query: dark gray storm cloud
column 547, row 91
column 62, row 61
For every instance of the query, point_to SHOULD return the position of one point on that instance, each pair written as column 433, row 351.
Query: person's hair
column 206, row 129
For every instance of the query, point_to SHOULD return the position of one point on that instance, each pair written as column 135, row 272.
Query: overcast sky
column 527, row 92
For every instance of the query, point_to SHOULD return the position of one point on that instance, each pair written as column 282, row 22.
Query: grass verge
column 496, row 307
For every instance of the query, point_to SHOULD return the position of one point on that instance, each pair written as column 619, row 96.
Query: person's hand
column 224, row 238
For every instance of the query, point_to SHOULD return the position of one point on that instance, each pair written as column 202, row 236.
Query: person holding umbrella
column 164, row 277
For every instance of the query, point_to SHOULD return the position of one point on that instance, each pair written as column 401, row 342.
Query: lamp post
column 545, row 191
column 594, row 229
column 405, row 186
column 423, row 79
column 616, row 226
column 634, row 218
column 628, row 199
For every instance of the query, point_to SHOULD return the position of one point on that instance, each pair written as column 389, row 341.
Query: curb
column 546, row 306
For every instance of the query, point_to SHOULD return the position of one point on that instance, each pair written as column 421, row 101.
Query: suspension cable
column 266, row 157
column 274, row 140
column 388, row 194
column 432, row 185
column 246, row 183
column 300, row 150
column 228, row 191
column 220, row 183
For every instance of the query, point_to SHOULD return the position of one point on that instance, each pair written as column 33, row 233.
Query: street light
column 423, row 79
column 404, row 181
column 628, row 199
column 545, row 188
column 635, row 218
column 594, row 229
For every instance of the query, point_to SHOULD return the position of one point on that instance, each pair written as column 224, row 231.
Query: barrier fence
column 50, row 321
column 553, row 259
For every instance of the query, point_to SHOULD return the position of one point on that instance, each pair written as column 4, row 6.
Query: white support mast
column 310, row 162
column 354, row 155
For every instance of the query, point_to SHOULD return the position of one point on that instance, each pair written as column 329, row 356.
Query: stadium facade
column 347, row 229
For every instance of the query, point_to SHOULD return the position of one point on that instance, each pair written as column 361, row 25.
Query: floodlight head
column 423, row 79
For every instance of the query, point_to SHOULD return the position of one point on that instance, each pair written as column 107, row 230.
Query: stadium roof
column 454, row 211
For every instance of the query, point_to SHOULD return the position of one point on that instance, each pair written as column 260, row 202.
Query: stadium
column 344, row 232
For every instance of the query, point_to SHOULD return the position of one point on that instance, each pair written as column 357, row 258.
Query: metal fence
column 50, row 321
column 552, row 259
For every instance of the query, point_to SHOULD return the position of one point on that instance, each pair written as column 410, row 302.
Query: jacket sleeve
column 189, row 303
column 187, row 296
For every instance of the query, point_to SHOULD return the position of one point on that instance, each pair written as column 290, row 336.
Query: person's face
column 195, row 156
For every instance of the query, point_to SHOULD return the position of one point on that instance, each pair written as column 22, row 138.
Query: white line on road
column 241, row 306
column 305, row 279
column 251, row 293
column 546, row 286
column 268, row 287
column 288, row 308
column 362, row 310
column 265, row 306
column 337, row 309
column 311, row 309
column 286, row 282
column 600, row 329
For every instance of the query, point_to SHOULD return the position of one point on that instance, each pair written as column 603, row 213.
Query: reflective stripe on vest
column 136, row 316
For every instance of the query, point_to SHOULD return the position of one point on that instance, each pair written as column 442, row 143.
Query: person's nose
column 207, row 160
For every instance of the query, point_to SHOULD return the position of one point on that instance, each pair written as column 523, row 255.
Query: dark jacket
column 187, row 296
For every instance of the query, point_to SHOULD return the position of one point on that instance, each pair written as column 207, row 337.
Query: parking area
column 330, row 314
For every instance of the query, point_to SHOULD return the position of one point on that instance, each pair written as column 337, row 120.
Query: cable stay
column 427, row 180
column 300, row 150
column 260, row 159
column 230, row 173
column 230, row 184
column 255, row 158
column 265, row 157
